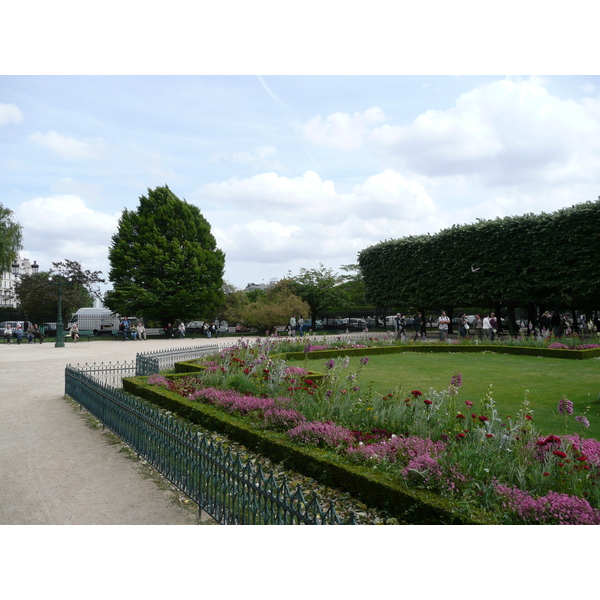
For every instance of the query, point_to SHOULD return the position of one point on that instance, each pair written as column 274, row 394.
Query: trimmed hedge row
column 516, row 350
column 375, row 489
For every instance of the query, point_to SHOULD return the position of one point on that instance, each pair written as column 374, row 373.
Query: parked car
column 308, row 324
column 49, row 329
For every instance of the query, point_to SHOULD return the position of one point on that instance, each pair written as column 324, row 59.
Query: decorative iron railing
column 150, row 363
column 229, row 490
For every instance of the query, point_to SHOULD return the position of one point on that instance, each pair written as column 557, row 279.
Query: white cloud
column 61, row 226
column 269, row 194
column 66, row 147
column 505, row 131
column 10, row 113
column 279, row 220
column 341, row 130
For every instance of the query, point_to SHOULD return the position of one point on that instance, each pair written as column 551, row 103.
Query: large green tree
column 320, row 288
column 38, row 297
column 164, row 260
column 10, row 238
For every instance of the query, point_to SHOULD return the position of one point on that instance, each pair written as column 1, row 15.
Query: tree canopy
column 10, row 238
column 544, row 260
column 38, row 297
column 320, row 288
column 274, row 307
column 164, row 260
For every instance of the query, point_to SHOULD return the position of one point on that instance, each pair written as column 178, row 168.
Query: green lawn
column 547, row 380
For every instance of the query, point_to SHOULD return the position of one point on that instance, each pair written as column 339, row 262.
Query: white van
column 99, row 320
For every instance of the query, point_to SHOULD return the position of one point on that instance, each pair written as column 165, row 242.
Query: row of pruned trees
column 538, row 262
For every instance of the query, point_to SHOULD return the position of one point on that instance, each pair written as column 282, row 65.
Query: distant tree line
column 536, row 262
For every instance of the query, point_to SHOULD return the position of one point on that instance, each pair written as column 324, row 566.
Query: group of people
column 485, row 327
column 296, row 324
column 135, row 331
column 33, row 333
column 418, row 324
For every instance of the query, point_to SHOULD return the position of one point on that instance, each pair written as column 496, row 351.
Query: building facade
column 21, row 266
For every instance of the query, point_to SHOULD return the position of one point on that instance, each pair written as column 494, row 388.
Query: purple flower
column 364, row 360
column 317, row 433
column 565, row 407
column 456, row 380
column 330, row 363
column 583, row 420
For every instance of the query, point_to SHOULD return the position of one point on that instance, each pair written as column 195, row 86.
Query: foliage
column 234, row 304
column 546, row 259
column 353, row 285
column 10, row 238
column 320, row 289
column 164, row 261
column 274, row 307
column 435, row 441
column 38, row 296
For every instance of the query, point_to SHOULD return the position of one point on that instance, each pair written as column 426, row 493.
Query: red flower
column 428, row 401
column 460, row 435
column 529, row 417
column 483, row 418
column 416, row 393
column 489, row 435
column 559, row 453
column 582, row 457
column 473, row 416
column 460, row 416
column 561, row 464
column 545, row 474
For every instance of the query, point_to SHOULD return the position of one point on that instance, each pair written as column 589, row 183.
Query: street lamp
column 60, row 340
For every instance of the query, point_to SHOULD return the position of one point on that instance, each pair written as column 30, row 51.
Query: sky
column 290, row 171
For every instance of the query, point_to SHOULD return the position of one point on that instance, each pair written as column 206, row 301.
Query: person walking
column 556, row 324
column 487, row 328
column 478, row 324
column 443, row 322
column 419, row 325
column 495, row 326
column 293, row 325
column 300, row 325
column 463, row 325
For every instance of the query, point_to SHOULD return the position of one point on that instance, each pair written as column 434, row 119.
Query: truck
column 101, row 321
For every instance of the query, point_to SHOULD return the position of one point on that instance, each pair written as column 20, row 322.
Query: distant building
column 20, row 267
column 260, row 286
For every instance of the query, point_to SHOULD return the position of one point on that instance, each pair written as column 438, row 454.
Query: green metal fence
column 229, row 490
column 150, row 363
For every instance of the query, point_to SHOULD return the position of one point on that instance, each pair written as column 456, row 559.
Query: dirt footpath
column 54, row 469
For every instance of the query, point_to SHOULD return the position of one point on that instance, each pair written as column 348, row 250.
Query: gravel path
column 54, row 470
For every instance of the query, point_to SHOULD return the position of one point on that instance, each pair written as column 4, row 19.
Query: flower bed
column 467, row 455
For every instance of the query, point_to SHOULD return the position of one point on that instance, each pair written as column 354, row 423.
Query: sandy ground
column 56, row 470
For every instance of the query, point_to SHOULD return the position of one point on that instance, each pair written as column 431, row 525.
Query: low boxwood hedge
column 375, row 489
column 517, row 350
